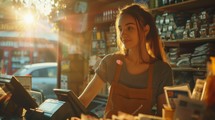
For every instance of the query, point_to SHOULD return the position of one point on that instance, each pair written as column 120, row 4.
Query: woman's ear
column 146, row 29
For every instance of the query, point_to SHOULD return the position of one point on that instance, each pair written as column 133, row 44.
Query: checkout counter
column 17, row 103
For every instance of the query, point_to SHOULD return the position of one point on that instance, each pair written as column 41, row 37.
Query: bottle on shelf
column 94, row 33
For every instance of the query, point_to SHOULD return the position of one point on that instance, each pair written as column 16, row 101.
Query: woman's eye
column 129, row 28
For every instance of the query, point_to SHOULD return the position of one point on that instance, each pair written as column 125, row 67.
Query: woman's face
column 128, row 31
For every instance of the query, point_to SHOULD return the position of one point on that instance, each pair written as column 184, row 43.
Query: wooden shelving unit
column 188, row 5
column 189, row 69
column 188, row 41
column 185, row 5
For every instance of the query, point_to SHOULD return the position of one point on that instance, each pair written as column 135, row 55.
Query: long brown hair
column 143, row 17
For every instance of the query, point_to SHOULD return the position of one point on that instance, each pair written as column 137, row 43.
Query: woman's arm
column 92, row 89
column 165, row 80
column 161, row 101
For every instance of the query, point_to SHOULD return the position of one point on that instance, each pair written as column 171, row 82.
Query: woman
column 138, row 72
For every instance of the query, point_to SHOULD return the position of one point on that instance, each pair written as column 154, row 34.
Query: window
column 45, row 72
column 52, row 72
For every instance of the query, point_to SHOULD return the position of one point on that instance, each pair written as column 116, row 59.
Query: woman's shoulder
column 112, row 57
column 161, row 64
column 163, row 69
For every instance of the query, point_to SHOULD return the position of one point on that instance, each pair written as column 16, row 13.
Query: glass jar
column 188, row 25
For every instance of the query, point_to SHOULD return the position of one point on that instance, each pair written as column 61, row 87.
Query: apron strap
column 109, row 105
column 117, row 73
column 150, row 77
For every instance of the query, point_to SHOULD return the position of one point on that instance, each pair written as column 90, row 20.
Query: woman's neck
column 134, row 57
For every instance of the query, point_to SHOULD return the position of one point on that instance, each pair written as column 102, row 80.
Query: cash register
column 19, row 100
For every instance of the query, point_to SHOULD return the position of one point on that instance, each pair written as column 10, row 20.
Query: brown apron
column 129, row 100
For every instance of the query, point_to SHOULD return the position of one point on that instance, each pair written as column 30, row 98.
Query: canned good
column 185, row 34
column 194, row 33
column 204, row 30
column 212, row 30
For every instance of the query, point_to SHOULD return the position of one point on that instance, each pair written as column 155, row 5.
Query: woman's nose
column 123, row 33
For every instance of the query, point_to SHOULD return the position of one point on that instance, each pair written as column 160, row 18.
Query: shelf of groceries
column 174, row 7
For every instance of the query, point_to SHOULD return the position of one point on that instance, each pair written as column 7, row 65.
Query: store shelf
column 185, row 5
column 188, row 41
column 106, row 23
column 188, row 69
